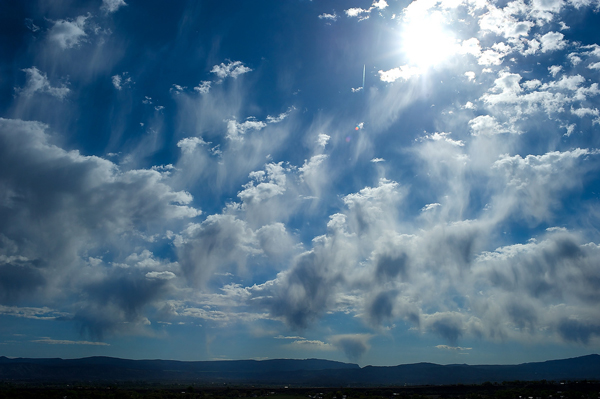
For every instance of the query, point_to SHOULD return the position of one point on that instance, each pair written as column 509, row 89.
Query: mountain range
column 286, row 372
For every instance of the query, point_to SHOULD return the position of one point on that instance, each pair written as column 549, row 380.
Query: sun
column 426, row 42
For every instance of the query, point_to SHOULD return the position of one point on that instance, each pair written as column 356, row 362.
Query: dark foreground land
column 505, row 390
column 104, row 371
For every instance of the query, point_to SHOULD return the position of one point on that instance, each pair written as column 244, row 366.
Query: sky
column 381, row 183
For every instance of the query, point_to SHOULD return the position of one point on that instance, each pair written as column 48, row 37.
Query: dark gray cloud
column 221, row 243
column 117, row 303
column 354, row 346
column 381, row 308
column 447, row 326
column 578, row 331
column 306, row 292
column 391, row 266
column 19, row 280
column 58, row 207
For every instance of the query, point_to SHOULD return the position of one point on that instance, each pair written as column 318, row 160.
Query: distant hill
column 278, row 372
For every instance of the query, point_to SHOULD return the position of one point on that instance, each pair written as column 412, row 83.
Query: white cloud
column 582, row 112
column 362, row 13
column 429, row 207
column 68, row 33
column 121, row 81
column 37, row 82
column 330, row 17
column 280, row 117
column 233, row 69
column 552, row 41
column 453, row 348
column 164, row 275
column 50, row 341
column 112, row 5
column 322, row 140
column 203, row 87
column 485, row 125
column 235, row 130
column 595, row 65
column 554, row 70
column 404, row 72
column 377, row 160
column 264, row 185
column 355, row 12
column 189, row 144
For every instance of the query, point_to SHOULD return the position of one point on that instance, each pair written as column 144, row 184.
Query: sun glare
column 425, row 40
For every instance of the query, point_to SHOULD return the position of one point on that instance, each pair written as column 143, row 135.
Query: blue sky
column 217, row 180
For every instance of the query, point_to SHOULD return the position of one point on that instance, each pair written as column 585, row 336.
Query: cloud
column 404, row 72
column 552, row 41
column 330, row 17
column 161, row 275
column 30, row 25
column 115, row 303
column 220, row 243
column 110, row 6
column 188, row 145
column 83, row 202
column 37, row 82
column 50, row 341
column 264, row 185
column 31, row 312
column 362, row 13
column 203, row 87
column 235, row 130
column 536, row 181
column 354, row 346
column 233, row 69
column 452, row 348
column 323, row 139
column 68, row 33
column 485, row 125
column 121, row 81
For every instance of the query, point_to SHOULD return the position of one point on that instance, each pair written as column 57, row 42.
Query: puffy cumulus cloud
column 362, row 13
column 221, row 243
column 188, row 145
column 552, row 41
column 264, row 184
column 109, row 6
column 512, row 97
column 505, row 21
column 68, row 33
column 37, row 82
column 232, row 68
column 494, row 55
column 534, row 184
column 85, row 203
column 275, row 241
column 354, row 346
column 236, row 130
column 485, row 125
column 404, row 72
column 203, row 87
column 323, row 139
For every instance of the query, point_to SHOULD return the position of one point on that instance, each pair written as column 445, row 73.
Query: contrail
column 363, row 86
